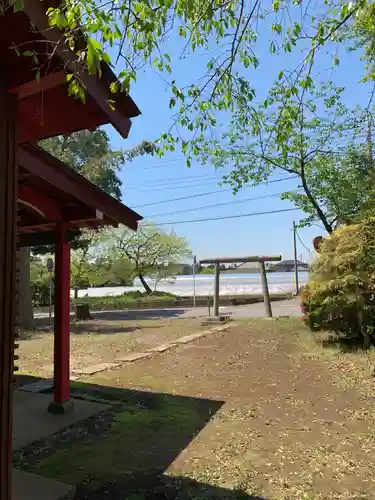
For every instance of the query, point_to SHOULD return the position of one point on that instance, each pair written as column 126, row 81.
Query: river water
column 230, row 284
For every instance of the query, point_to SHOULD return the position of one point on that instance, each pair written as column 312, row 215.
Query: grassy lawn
column 260, row 411
column 134, row 300
column 101, row 340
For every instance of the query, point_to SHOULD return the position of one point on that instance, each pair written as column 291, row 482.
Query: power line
column 147, row 160
column 156, row 166
column 168, row 162
column 183, row 198
column 235, row 202
column 302, row 243
column 179, row 185
column 224, row 217
column 208, row 193
column 168, row 180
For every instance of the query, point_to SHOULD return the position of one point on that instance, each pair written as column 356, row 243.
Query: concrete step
column 26, row 486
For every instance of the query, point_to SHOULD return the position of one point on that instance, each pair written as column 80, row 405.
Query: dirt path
column 286, row 430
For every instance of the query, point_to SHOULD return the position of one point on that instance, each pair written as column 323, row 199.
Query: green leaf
column 61, row 20
column 18, row 6
column 28, row 53
column 94, row 44
column 114, row 87
column 294, row 91
column 172, row 102
column 93, row 55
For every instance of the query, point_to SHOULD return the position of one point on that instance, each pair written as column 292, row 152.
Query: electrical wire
column 167, row 181
column 302, row 243
column 238, row 216
column 234, row 202
column 156, row 166
column 207, row 193
column 168, row 187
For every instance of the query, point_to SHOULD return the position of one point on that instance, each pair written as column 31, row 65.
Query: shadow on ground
column 101, row 329
column 344, row 344
column 82, row 328
column 163, row 487
column 144, row 314
column 20, row 380
column 123, row 452
column 43, row 325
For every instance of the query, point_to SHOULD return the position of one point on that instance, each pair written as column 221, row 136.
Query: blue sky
column 149, row 180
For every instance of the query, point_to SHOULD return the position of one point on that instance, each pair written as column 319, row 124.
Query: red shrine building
column 42, row 199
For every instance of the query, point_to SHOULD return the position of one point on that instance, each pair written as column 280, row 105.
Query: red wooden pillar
column 61, row 401
column 8, row 197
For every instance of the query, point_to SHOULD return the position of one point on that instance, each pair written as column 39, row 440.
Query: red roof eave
column 43, row 165
column 99, row 88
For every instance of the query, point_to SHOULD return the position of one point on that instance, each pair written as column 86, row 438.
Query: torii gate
column 241, row 260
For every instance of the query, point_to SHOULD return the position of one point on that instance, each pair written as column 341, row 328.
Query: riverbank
column 161, row 301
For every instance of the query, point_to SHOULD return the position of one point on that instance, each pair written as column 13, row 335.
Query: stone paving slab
column 134, row 356
column 162, row 347
column 32, row 421
column 90, row 370
column 26, row 486
column 191, row 337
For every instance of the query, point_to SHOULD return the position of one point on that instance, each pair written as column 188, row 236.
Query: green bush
column 340, row 295
column 40, row 292
column 129, row 299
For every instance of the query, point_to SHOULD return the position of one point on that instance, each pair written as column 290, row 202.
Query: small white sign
column 50, row 265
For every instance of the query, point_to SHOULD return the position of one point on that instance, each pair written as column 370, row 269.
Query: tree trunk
column 83, row 312
column 366, row 339
column 364, row 333
column 145, row 284
column 314, row 203
column 25, row 315
column 76, row 293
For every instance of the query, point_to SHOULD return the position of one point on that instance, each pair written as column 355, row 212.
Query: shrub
column 340, row 294
column 40, row 291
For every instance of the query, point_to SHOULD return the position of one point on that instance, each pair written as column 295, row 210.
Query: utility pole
column 295, row 255
column 194, row 272
column 369, row 139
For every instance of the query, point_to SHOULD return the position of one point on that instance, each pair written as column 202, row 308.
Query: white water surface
column 230, row 284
